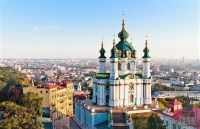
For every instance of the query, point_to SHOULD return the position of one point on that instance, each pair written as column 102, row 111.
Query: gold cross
column 114, row 36
column 146, row 36
column 123, row 15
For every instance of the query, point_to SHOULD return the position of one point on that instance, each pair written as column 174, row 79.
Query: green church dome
column 146, row 51
column 114, row 51
column 102, row 51
column 123, row 34
column 124, row 45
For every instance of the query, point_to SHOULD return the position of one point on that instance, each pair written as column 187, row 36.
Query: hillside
column 11, row 77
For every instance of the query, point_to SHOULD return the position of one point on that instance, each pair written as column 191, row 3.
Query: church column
column 94, row 93
column 146, row 62
column 114, row 62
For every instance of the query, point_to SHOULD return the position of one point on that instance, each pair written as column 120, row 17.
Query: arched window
column 119, row 66
column 128, row 66
column 131, row 98
column 107, row 98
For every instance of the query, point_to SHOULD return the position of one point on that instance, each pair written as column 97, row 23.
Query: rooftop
column 48, row 86
column 97, row 108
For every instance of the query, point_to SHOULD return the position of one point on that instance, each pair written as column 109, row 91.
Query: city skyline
column 68, row 29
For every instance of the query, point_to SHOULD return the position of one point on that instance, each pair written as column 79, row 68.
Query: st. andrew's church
column 113, row 93
column 123, row 86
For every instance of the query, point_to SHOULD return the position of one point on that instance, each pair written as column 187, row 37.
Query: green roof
column 139, row 74
column 124, row 76
column 103, row 75
column 114, row 52
column 124, row 45
column 146, row 51
column 102, row 52
column 146, row 55
column 123, row 34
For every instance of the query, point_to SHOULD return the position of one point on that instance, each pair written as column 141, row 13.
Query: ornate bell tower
column 146, row 62
column 102, row 59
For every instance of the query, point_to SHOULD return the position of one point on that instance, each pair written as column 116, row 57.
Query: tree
column 38, row 83
column 179, row 89
column 17, row 117
column 137, row 123
column 154, row 122
column 32, row 102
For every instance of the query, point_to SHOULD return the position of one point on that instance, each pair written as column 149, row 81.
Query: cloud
column 47, row 28
column 37, row 29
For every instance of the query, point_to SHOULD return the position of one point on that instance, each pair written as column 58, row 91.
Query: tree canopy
column 11, row 77
column 32, row 102
column 155, row 122
column 17, row 117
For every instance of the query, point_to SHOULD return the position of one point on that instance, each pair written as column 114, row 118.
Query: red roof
column 66, row 82
column 175, row 102
column 51, row 86
column 178, row 114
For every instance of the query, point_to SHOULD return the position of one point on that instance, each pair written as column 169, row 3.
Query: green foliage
column 179, row 89
column 163, row 101
column 161, row 106
column 197, row 105
column 32, row 102
column 154, row 122
column 184, row 99
column 17, row 117
column 38, row 83
column 137, row 123
column 11, row 77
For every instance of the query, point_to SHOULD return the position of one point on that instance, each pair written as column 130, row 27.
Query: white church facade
column 113, row 93
column 123, row 86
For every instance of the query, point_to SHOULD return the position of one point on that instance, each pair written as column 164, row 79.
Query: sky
column 74, row 28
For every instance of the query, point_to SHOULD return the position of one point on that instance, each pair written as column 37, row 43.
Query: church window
column 131, row 98
column 128, row 66
column 107, row 98
column 119, row 66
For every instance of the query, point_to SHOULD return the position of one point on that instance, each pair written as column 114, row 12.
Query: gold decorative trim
column 115, row 84
column 146, row 61
column 113, row 61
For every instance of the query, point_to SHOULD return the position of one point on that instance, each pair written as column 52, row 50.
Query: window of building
column 41, row 92
column 179, row 127
column 46, row 91
column 131, row 98
column 119, row 66
column 174, row 126
column 107, row 98
column 128, row 66
column 167, row 123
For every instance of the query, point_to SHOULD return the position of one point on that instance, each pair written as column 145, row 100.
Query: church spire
column 114, row 50
column 146, row 50
column 102, row 50
column 123, row 34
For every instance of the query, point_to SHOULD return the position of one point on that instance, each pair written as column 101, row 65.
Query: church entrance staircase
column 119, row 119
